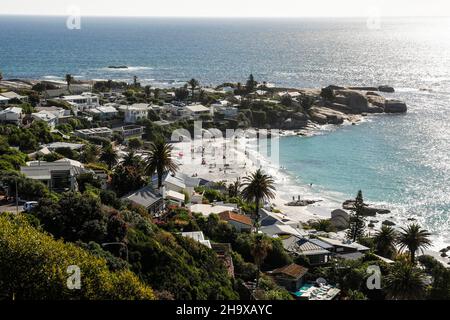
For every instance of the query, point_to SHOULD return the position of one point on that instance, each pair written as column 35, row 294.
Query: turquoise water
column 401, row 162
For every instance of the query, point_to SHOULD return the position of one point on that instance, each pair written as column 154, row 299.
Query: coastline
column 288, row 186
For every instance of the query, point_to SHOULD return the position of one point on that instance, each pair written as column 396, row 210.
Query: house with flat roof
column 94, row 132
column 135, row 112
column 58, row 176
column 197, row 111
column 59, row 145
column 103, row 112
column 46, row 116
column 239, row 221
column 130, row 131
column 11, row 115
column 197, row 236
column 149, row 198
column 86, row 100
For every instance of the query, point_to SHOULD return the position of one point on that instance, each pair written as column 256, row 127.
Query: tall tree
column 109, row 156
column 258, row 187
column 160, row 160
column 147, row 91
column 193, row 83
column 251, row 84
column 385, row 240
column 69, row 80
column 414, row 238
column 405, row 282
column 1, row 75
column 261, row 246
column 131, row 160
column 357, row 222
column 234, row 188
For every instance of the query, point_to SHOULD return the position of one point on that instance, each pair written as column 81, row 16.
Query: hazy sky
column 230, row 8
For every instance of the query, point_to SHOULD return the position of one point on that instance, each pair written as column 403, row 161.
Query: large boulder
column 323, row 115
column 378, row 101
column 339, row 107
column 387, row 89
column 357, row 102
column 340, row 219
column 375, row 109
column 395, row 106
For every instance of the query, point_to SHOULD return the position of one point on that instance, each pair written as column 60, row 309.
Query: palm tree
column 109, row 156
column 160, row 160
column 234, row 188
column 69, row 80
column 385, row 240
column 414, row 238
column 193, row 84
column 405, row 282
column 261, row 245
column 257, row 188
column 131, row 160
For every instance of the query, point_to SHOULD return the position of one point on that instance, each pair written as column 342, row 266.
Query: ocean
column 401, row 162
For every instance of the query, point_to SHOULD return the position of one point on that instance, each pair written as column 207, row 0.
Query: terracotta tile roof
column 293, row 270
column 228, row 215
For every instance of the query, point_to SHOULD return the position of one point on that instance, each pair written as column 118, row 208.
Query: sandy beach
column 240, row 160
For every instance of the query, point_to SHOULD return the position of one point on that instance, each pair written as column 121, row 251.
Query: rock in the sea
column 301, row 203
column 388, row 223
column 367, row 211
column 395, row 106
column 357, row 102
column 378, row 101
column 387, row 89
column 374, row 109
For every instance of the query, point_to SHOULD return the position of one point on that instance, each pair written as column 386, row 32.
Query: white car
column 29, row 205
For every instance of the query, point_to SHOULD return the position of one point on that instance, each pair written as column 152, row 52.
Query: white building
column 94, row 132
column 86, row 100
column 11, row 115
column 46, row 116
column 197, row 236
column 135, row 112
column 223, row 107
column 3, row 101
column 197, row 110
column 12, row 95
column 104, row 112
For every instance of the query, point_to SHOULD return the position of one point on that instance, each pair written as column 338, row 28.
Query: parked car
column 29, row 205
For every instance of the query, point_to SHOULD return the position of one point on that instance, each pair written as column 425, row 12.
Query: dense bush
column 34, row 266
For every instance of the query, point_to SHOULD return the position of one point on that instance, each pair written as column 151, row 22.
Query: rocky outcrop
column 368, row 211
column 301, row 203
column 324, row 115
column 387, row 89
column 356, row 101
column 395, row 106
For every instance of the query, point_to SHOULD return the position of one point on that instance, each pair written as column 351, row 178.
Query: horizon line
column 215, row 17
